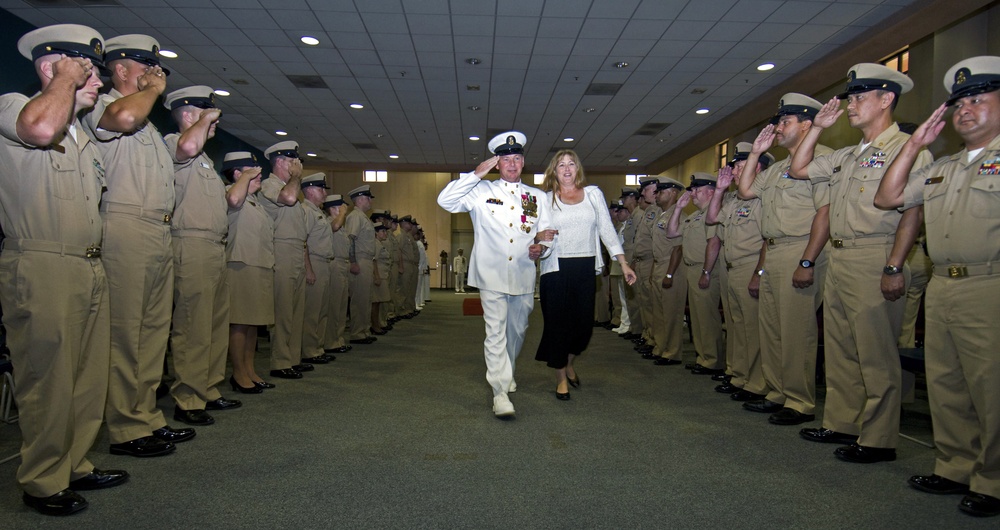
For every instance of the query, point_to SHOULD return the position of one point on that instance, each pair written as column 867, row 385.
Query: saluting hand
column 764, row 140
column 486, row 166
column 154, row 79
column 250, row 173
column 931, row 128
column 725, row 178
column 684, row 200
column 76, row 68
column 211, row 115
column 828, row 115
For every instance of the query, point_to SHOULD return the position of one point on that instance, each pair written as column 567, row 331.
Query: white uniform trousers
column 506, row 317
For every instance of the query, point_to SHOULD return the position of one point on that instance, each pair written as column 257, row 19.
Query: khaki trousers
column 744, row 328
column 289, row 304
column 616, row 283
column 139, row 262
column 706, row 321
column 199, row 340
column 860, row 329
column 361, row 299
column 727, row 349
column 963, row 379
column 668, row 330
column 602, row 311
column 336, row 316
column 920, row 273
column 317, row 308
column 645, row 294
column 789, row 332
column 58, row 336
column 632, row 300
column 409, row 287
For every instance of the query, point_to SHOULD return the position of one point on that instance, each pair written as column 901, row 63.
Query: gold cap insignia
column 98, row 46
column 510, row 140
column 960, row 76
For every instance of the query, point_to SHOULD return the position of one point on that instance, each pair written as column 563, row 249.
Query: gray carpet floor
column 399, row 434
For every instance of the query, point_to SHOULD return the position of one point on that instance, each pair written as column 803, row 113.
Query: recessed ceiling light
column 588, row 110
column 393, row 156
column 357, row 106
column 312, row 41
column 472, row 88
column 765, row 67
column 633, row 159
column 701, row 111
column 310, row 154
column 474, row 138
column 474, row 107
column 621, row 64
column 567, row 139
column 473, row 61
column 221, row 92
column 281, row 133
column 168, row 54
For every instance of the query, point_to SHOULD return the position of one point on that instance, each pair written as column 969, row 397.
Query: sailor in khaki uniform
column 739, row 229
column 410, row 258
column 960, row 195
column 642, row 262
column 318, row 271
column 380, row 282
column 136, row 252
column 862, row 304
column 507, row 217
column 630, row 198
column 615, row 273
column 199, row 340
column 336, row 319
column 795, row 226
column 280, row 197
column 381, row 326
column 51, row 176
column 361, row 232
column 669, row 279
column 700, row 254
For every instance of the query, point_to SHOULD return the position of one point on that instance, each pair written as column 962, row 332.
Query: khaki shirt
column 341, row 244
column 289, row 221
column 853, row 175
column 789, row 205
column 740, row 227
column 360, row 229
column 663, row 246
column 251, row 233
column 644, row 232
column 961, row 200
column 139, row 167
column 199, row 194
column 408, row 249
column 628, row 234
column 320, row 238
column 48, row 193
column 382, row 258
column 694, row 236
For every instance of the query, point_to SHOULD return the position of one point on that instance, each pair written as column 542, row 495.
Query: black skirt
column 567, row 298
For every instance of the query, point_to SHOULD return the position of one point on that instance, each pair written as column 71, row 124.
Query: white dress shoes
column 502, row 406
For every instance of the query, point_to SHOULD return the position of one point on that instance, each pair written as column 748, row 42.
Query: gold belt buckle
column 956, row 271
column 225, row 239
column 729, row 265
column 166, row 218
column 93, row 252
column 838, row 243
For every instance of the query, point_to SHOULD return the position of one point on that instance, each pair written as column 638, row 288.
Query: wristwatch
column 805, row 264
column 706, row 272
column 760, row 272
column 890, row 270
column 670, row 276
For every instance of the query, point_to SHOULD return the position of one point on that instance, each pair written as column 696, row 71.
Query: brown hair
column 551, row 181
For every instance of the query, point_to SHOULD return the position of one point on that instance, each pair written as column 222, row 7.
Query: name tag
column 836, row 169
column 934, row 180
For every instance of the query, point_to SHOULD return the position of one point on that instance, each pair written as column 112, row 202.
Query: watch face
column 806, row 263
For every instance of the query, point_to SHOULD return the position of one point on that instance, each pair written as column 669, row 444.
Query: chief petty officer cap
column 645, row 181
column 743, row 152
column 865, row 77
column 378, row 213
column 508, row 143
column 238, row 159
column 71, row 40
column 361, row 190
column 665, row 183
column 627, row 191
column 140, row 48
column 617, row 205
column 795, row 103
column 380, row 226
column 333, row 200
column 288, row 148
column 407, row 219
column 315, row 180
column 200, row 96
column 969, row 77
column 700, row 179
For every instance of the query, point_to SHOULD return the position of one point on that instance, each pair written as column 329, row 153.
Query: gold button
column 511, row 240
column 512, row 224
column 511, row 207
column 510, row 258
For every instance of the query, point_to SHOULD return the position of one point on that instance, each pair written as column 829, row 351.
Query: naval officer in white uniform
column 509, row 219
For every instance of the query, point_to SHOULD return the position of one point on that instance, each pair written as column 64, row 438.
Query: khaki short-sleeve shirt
column 789, row 205
column 320, row 238
column 199, row 194
column 251, row 234
column 694, row 236
column 740, row 227
column 362, row 231
column 289, row 221
column 663, row 246
column 644, row 232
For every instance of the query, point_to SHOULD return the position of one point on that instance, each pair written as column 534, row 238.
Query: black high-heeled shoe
column 562, row 397
column 244, row 390
column 575, row 383
column 263, row 384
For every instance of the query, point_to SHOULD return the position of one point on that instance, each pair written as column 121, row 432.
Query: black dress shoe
column 263, row 385
column 860, row 454
column 319, row 359
column 65, row 502
column 722, row 377
column 702, row 370
column 303, row 367
column 937, row 485
column 252, row 389
column 193, row 416
column 827, row 436
column 639, row 340
column 342, row 349
column 374, row 331
column 329, row 357
column 223, row 404
column 170, row 434
column 287, row 373
column 575, row 383
column 366, row 340
column 644, row 348
column 787, row 416
column 663, row 361
column 143, row 447
column 650, row 355
column 980, row 505
column 691, row 366
column 745, row 395
column 562, row 397
column 762, row 405
column 727, row 388
column 98, row 480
